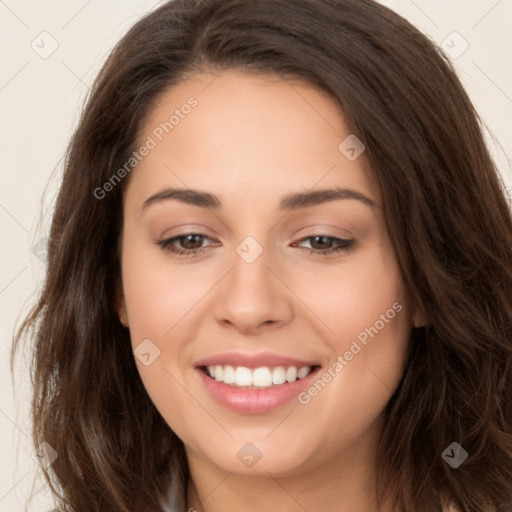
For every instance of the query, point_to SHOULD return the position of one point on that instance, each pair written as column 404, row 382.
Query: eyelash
column 344, row 245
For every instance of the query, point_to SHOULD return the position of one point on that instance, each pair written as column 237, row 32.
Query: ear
column 120, row 304
column 419, row 318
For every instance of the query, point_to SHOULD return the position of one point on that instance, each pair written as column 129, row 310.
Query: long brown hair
column 447, row 215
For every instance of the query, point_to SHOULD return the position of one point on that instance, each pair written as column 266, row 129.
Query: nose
column 254, row 296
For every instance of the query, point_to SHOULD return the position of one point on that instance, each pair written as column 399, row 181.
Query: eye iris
column 324, row 238
column 188, row 238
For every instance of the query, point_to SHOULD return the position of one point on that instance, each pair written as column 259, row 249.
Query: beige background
column 40, row 100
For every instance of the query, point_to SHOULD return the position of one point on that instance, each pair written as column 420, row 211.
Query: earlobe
column 123, row 317
column 120, row 305
column 418, row 320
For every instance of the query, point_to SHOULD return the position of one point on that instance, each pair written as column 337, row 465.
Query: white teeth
column 262, row 377
column 243, row 376
column 291, row 374
column 229, row 375
column 303, row 371
column 278, row 376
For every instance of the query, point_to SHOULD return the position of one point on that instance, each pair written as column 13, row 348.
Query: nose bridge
column 252, row 295
column 251, row 265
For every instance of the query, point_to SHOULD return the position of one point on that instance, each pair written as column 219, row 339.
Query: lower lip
column 255, row 401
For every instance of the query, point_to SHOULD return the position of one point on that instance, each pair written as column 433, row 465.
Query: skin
column 250, row 141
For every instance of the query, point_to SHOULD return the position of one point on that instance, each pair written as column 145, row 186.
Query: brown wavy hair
column 445, row 208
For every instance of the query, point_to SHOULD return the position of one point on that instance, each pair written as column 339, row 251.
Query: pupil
column 191, row 238
column 321, row 238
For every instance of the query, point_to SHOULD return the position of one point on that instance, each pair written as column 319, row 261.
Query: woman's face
column 251, row 181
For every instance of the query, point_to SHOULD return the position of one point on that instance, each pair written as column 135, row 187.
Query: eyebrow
column 294, row 201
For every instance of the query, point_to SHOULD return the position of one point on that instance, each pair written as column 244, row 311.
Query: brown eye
column 188, row 244
column 325, row 244
column 191, row 242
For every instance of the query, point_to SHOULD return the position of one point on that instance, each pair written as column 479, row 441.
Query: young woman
column 279, row 274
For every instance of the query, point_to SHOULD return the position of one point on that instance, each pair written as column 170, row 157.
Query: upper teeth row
column 259, row 377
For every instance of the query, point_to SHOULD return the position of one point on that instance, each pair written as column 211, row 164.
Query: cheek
column 368, row 317
column 158, row 298
column 366, row 321
column 348, row 298
column 158, row 295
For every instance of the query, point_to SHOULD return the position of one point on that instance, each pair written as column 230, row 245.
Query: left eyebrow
column 300, row 200
column 294, row 201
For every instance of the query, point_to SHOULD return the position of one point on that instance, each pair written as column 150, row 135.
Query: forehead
column 251, row 133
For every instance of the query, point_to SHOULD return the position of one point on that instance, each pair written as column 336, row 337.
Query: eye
column 191, row 244
column 334, row 245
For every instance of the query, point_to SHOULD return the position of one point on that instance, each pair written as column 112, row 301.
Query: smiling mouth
column 264, row 377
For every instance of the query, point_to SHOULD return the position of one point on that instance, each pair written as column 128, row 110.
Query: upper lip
column 254, row 360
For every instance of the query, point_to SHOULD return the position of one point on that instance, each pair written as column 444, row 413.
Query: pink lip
column 253, row 360
column 255, row 401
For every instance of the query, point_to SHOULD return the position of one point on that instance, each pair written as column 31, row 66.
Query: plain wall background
column 41, row 98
